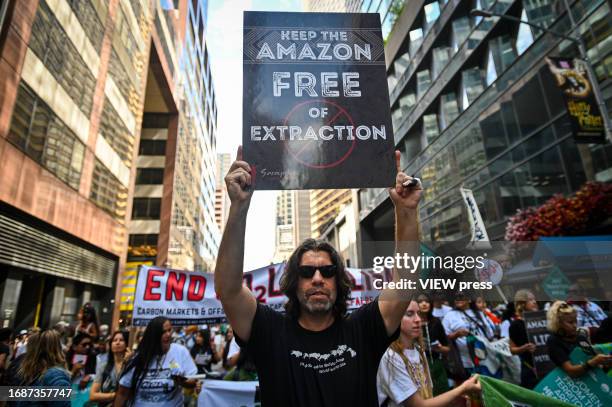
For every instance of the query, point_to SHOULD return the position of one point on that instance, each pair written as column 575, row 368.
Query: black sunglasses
column 309, row 271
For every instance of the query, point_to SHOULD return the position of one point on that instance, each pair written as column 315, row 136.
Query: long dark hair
column 89, row 314
column 78, row 338
column 110, row 359
column 205, row 334
column 427, row 298
column 289, row 280
column 149, row 347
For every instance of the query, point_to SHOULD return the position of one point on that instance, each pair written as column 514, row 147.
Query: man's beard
column 317, row 307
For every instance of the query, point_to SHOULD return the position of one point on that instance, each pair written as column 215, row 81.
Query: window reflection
column 416, row 39
column 441, row 56
column 461, row 30
column 524, row 37
column 430, row 127
column 432, row 12
column 423, row 82
column 471, row 86
column 449, row 110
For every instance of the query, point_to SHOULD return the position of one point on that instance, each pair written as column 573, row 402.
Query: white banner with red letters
column 188, row 298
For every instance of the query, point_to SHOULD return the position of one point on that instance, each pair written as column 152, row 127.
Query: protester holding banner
column 436, row 344
column 158, row 371
column 562, row 323
column 105, row 384
column 310, row 355
column 524, row 300
column 403, row 375
column 465, row 320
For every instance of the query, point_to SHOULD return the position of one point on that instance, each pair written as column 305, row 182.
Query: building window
column 116, row 133
column 471, row 86
column 540, row 12
column 449, row 110
column 52, row 46
column 120, row 76
column 461, row 30
column 423, row 82
column 146, row 208
column 108, row 193
column 155, row 121
column 90, row 21
column 524, row 37
column 416, row 39
column 491, row 69
column 39, row 133
column 430, row 127
column 432, row 13
column 407, row 101
column 149, row 176
column 142, row 245
column 502, row 50
column 401, row 64
column 152, row 147
column 441, row 56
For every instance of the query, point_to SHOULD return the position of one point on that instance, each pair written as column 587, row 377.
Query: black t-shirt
column 518, row 335
column 333, row 367
column 559, row 350
column 436, row 333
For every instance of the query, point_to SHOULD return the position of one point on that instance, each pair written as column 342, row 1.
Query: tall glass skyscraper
column 474, row 104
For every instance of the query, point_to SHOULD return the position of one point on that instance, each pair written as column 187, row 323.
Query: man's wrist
column 403, row 212
column 239, row 208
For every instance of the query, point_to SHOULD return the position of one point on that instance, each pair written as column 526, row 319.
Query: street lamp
column 583, row 55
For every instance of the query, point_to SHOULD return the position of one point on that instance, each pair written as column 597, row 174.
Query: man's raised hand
column 238, row 180
column 404, row 196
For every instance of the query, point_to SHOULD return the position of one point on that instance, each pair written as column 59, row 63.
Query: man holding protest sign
column 314, row 354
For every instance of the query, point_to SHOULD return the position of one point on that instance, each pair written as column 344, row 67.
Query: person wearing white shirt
column 403, row 377
column 156, row 374
column 463, row 321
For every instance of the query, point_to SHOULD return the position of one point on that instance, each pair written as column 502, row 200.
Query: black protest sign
column 535, row 323
column 585, row 116
column 316, row 102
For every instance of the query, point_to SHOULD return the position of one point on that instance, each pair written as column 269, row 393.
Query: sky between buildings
column 224, row 38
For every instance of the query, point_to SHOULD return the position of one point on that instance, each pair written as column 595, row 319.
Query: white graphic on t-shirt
column 337, row 361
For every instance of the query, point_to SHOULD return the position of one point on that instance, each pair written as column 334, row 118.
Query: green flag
column 497, row 393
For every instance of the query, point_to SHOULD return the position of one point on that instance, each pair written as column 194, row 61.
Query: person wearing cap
column 314, row 354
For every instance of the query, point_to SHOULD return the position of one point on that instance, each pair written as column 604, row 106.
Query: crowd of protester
column 432, row 363
column 104, row 370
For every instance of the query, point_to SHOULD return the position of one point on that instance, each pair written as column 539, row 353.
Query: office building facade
column 474, row 105
column 222, row 202
column 73, row 76
column 173, row 217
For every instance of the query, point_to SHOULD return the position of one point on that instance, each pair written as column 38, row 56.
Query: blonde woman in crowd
column 44, row 365
column 562, row 324
column 403, row 374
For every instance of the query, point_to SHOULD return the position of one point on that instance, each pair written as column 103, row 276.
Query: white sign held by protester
column 480, row 238
column 228, row 393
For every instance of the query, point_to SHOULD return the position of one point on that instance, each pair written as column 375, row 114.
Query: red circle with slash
column 341, row 112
